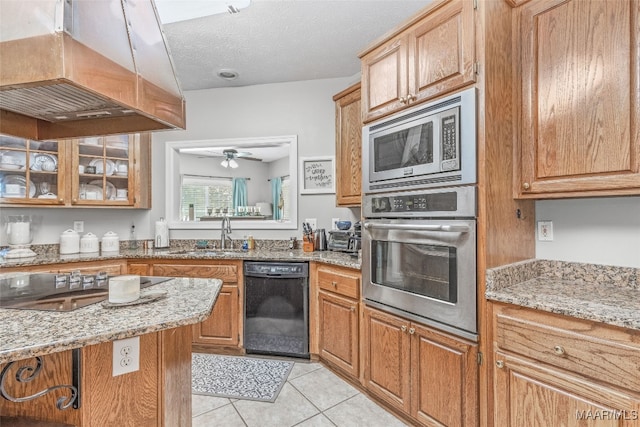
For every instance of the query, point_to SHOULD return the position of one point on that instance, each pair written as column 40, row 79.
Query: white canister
column 69, row 242
column 110, row 242
column 124, row 289
column 89, row 243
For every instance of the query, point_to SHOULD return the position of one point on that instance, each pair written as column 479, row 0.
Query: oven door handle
column 419, row 227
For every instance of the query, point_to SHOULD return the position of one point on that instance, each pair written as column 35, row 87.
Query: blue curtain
column 239, row 186
column 276, row 193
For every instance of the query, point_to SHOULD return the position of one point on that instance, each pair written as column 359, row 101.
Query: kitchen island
column 76, row 348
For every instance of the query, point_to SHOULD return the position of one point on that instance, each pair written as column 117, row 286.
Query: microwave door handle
column 419, row 227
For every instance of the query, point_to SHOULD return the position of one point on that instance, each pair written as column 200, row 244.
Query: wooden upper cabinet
column 348, row 147
column 433, row 56
column 579, row 97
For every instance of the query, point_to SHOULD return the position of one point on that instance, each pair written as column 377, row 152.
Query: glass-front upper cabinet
column 32, row 172
column 103, row 165
column 100, row 171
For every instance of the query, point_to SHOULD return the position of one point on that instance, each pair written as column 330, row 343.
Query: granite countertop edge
column 327, row 257
column 30, row 333
column 600, row 293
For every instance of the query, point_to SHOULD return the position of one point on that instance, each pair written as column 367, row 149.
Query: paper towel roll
column 124, row 289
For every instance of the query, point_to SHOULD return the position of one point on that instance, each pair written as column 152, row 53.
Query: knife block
column 307, row 246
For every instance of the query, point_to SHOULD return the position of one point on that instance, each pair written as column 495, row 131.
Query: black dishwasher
column 276, row 308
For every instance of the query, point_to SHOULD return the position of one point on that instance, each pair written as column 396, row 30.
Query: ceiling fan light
column 225, row 163
column 233, row 163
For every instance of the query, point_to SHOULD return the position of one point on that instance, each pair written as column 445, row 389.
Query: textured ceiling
column 275, row 41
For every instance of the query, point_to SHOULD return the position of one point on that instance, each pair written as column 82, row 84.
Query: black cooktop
column 58, row 292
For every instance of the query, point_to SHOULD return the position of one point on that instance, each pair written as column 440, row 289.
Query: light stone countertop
column 265, row 254
column 29, row 333
column 600, row 293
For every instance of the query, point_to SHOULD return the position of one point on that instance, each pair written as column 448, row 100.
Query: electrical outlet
column 545, row 230
column 334, row 222
column 126, row 356
column 78, row 226
column 313, row 222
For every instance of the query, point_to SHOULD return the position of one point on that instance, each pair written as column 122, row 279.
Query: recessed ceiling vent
column 71, row 68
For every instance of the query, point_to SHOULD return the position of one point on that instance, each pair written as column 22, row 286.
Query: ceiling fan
column 230, row 155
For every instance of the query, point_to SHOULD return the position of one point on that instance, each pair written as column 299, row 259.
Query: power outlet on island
column 126, row 356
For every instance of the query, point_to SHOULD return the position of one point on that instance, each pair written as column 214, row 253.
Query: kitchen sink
column 207, row 252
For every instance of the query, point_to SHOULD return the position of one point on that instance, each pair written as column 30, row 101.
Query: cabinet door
column 32, row 172
column 387, row 358
column 141, row 269
column 442, row 51
column 384, row 79
column 222, row 327
column 339, row 337
column 348, row 147
column 580, row 98
column 444, row 379
column 531, row 394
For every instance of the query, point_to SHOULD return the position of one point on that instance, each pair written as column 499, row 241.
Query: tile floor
column 312, row 396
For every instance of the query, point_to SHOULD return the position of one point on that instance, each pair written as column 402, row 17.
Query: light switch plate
column 78, row 226
column 126, row 356
column 334, row 223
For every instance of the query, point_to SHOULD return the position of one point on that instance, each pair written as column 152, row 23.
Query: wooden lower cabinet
column 112, row 268
column 555, row 370
column 427, row 374
column 335, row 317
column 223, row 328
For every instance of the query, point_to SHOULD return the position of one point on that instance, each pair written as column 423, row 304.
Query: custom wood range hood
column 71, row 68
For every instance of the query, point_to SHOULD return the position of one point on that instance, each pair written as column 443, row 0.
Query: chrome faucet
column 224, row 233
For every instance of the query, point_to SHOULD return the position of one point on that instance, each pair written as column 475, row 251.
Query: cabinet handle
column 559, row 350
column 500, row 364
column 526, row 186
column 334, row 284
column 403, row 328
column 412, row 331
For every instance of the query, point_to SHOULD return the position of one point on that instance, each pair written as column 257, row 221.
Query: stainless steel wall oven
column 419, row 256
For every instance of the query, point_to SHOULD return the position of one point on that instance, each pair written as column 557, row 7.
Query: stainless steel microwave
column 431, row 145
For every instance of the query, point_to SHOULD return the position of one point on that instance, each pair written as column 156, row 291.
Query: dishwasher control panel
column 277, row 269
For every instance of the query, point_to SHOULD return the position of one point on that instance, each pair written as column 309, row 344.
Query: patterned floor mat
column 238, row 377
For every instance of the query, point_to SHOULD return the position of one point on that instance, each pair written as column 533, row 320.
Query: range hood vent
column 73, row 68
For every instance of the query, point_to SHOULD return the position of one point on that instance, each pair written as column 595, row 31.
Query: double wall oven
column 419, row 231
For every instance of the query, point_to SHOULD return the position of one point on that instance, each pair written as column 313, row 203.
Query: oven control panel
column 451, row 202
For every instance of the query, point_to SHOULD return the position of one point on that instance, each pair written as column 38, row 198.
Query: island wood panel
column 141, row 269
column 56, row 370
column 175, row 376
column 129, row 400
column 228, row 273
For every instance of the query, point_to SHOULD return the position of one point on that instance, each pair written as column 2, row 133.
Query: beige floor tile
column 290, row 408
column 201, row 404
column 224, row 416
column 360, row 411
column 323, row 388
column 317, row 421
column 302, row 368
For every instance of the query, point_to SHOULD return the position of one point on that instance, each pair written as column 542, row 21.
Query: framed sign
column 317, row 175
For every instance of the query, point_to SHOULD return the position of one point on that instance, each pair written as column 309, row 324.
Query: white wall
column 596, row 230
column 303, row 108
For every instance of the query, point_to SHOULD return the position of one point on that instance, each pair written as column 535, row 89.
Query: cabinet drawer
column 588, row 348
column 227, row 273
column 340, row 282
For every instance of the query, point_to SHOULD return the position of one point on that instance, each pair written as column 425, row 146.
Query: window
column 205, row 192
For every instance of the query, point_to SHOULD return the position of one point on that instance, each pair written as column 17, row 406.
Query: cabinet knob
column 403, row 328
column 60, row 200
column 334, row 284
column 526, row 186
column 353, row 309
column 412, row 331
column 411, row 98
column 75, row 200
column 403, row 100
column 500, row 364
column 559, row 350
